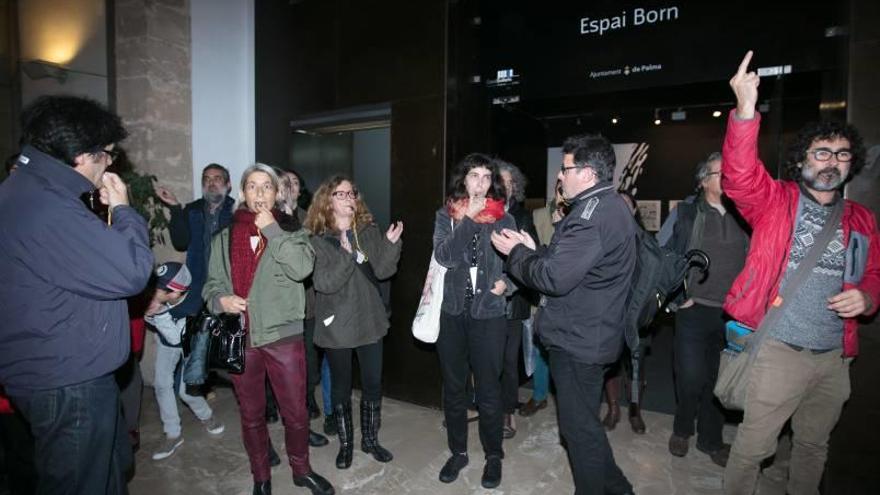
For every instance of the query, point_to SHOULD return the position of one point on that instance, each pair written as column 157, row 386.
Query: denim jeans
column 325, row 387
column 81, row 446
column 541, row 376
column 167, row 359
column 578, row 393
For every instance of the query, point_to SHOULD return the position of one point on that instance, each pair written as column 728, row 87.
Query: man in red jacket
column 802, row 368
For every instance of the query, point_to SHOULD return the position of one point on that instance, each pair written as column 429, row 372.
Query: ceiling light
column 613, row 120
column 716, row 113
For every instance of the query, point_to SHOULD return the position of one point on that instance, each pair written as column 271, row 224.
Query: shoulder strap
column 799, row 277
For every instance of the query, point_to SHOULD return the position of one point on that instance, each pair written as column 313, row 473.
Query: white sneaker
column 167, row 448
column 213, row 426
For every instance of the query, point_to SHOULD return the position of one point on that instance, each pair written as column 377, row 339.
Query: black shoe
column 453, row 466
column 635, row 419
column 371, row 420
column 678, row 446
column 314, row 412
column 274, row 460
column 330, row 425
column 491, row 472
column 317, row 440
column 719, row 456
column 344, row 429
column 316, row 483
column 263, row 488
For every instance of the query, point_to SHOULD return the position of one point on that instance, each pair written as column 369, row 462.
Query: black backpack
column 657, row 280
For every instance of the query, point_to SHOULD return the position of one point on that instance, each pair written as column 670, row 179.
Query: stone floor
column 535, row 462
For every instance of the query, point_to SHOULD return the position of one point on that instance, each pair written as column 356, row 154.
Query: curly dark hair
column 67, row 126
column 457, row 189
column 594, row 151
column 826, row 129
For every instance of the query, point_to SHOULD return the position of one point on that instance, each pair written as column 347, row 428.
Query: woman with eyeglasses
column 473, row 323
column 352, row 256
column 256, row 270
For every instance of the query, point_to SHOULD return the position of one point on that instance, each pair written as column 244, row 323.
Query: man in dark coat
column 66, row 274
column 584, row 275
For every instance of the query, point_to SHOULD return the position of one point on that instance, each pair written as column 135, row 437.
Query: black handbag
column 226, row 341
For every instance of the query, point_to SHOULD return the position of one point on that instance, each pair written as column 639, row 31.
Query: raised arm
column 744, row 178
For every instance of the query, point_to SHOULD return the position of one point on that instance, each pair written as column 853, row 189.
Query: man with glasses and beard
column 193, row 226
column 801, row 370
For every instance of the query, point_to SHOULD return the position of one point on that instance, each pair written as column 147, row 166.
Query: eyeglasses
column 710, row 174
column 825, row 154
column 340, row 195
column 563, row 168
column 111, row 154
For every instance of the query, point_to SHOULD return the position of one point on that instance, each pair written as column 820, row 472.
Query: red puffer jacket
column 771, row 208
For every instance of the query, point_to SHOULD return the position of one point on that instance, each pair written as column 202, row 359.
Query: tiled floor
column 535, row 463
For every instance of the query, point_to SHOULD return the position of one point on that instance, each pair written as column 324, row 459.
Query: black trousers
column 578, row 393
column 466, row 344
column 18, row 454
column 313, row 370
column 370, row 361
column 510, row 374
column 697, row 345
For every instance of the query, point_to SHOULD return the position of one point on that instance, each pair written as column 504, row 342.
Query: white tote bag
column 426, row 324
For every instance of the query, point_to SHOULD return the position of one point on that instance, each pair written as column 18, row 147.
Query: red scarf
column 491, row 213
column 242, row 258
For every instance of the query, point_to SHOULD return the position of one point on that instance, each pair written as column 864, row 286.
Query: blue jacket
column 187, row 227
column 65, row 277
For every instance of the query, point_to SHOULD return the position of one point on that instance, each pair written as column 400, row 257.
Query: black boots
column 312, row 405
column 330, row 424
column 612, row 397
column 274, row 460
column 316, row 439
column 315, row 482
column 371, row 420
column 263, row 488
column 344, row 427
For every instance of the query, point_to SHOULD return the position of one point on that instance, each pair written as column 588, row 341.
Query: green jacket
column 349, row 311
column 276, row 301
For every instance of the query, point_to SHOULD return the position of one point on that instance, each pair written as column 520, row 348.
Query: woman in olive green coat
column 352, row 257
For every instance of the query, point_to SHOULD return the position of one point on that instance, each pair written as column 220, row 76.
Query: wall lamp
column 41, row 69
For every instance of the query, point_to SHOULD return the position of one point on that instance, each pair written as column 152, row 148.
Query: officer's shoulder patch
column 592, row 203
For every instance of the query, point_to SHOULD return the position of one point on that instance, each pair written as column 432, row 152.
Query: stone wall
column 153, row 97
column 153, row 92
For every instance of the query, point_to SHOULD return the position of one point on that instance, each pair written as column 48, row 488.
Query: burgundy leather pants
column 285, row 363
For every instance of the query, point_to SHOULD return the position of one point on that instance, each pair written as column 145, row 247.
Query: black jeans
column 466, row 344
column 578, row 393
column 370, row 361
column 18, row 454
column 510, row 374
column 313, row 371
column 81, row 444
column 699, row 339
